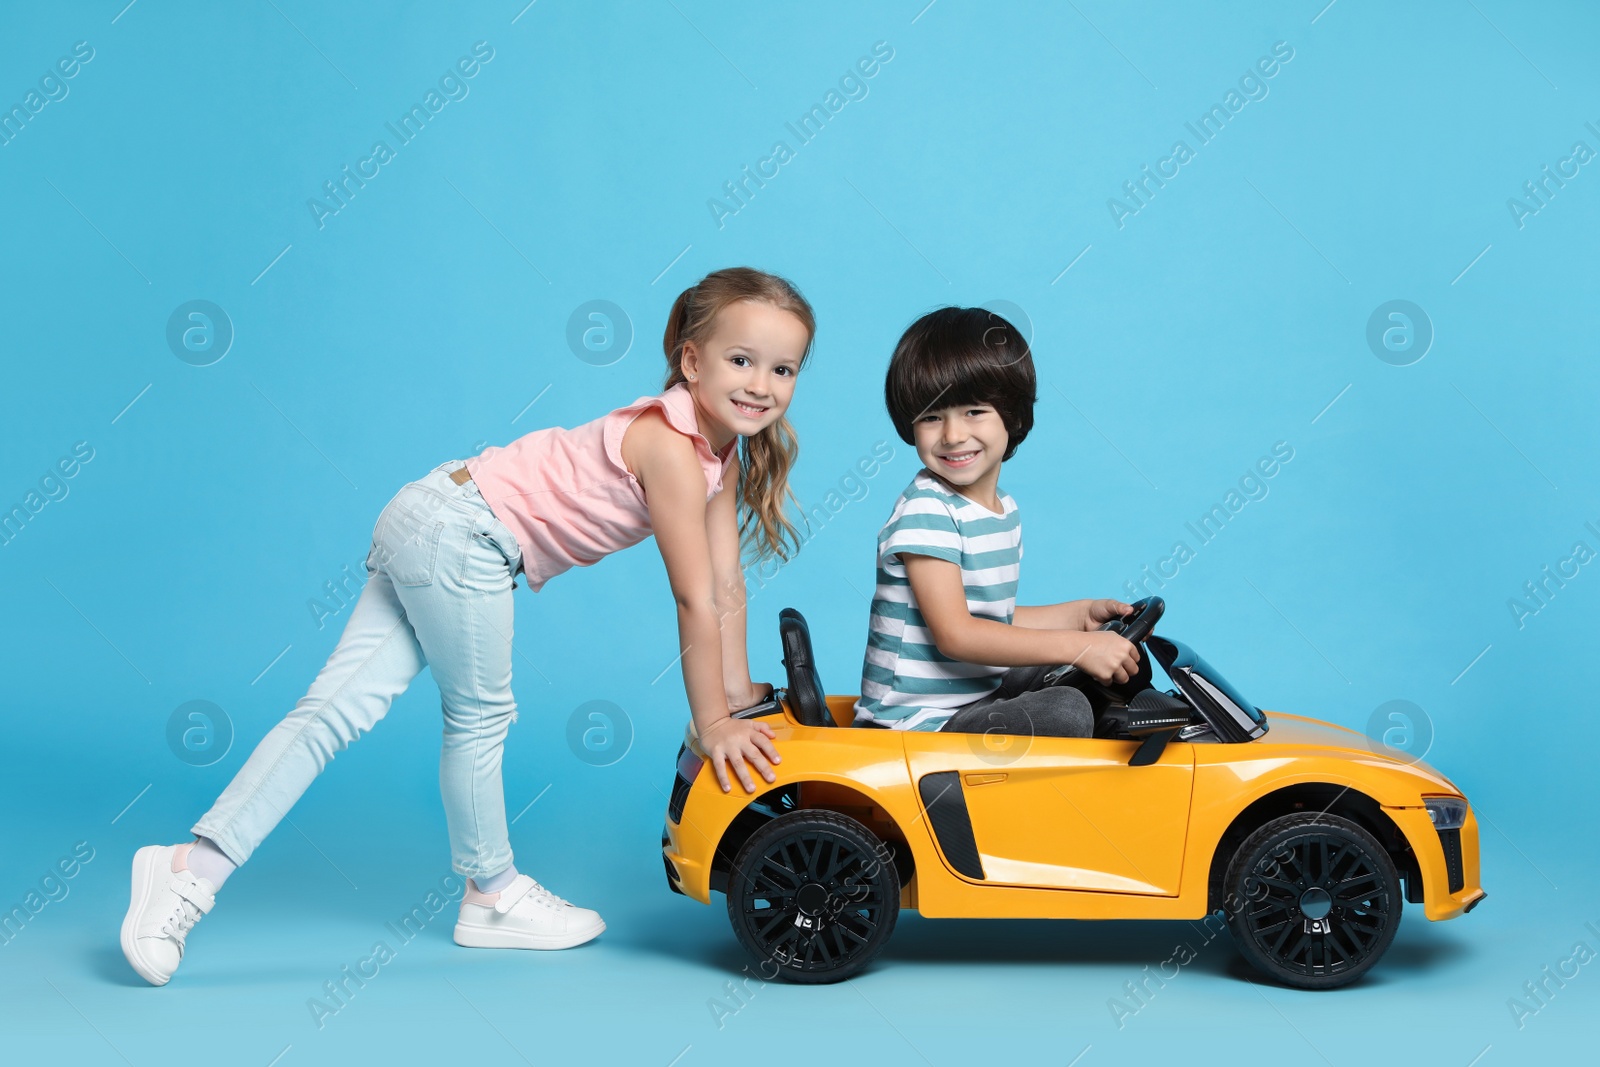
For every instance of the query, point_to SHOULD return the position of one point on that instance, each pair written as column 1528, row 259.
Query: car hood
column 1287, row 729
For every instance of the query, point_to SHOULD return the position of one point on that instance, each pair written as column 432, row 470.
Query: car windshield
column 1213, row 678
column 1218, row 687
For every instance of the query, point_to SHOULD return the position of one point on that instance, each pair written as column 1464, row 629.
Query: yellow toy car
column 1188, row 803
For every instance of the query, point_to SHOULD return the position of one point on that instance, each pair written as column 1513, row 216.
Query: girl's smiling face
column 742, row 379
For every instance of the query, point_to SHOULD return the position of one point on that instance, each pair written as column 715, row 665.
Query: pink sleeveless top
column 567, row 495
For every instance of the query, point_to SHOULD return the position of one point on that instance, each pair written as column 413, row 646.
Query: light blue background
column 419, row 323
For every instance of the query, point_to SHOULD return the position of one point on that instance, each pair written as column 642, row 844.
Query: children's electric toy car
column 1186, row 804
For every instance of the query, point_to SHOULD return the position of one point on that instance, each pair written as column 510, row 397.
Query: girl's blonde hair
column 764, row 458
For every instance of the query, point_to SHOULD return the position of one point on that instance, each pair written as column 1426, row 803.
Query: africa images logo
column 452, row 86
column 1252, row 87
column 805, row 129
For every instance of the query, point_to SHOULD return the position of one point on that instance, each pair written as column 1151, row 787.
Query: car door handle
column 983, row 779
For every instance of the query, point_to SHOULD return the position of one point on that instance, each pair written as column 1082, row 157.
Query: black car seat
column 1146, row 705
column 1155, row 702
column 806, row 695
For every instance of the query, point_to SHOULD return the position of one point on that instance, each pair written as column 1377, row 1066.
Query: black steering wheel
column 1134, row 628
column 1141, row 623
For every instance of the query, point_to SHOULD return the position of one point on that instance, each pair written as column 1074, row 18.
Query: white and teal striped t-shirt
column 906, row 682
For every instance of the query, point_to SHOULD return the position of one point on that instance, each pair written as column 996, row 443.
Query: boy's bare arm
column 1070, row 615
column 957, row 634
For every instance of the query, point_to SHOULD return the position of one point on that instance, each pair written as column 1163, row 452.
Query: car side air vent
column 1451, row 840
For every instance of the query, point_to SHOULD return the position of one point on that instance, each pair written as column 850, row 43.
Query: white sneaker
column 523, row 915
column 168, row 899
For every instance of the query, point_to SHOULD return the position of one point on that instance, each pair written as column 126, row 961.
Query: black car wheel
column 813, row 896
column 1313, row 900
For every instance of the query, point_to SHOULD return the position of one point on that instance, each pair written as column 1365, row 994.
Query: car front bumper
column 1446, row 859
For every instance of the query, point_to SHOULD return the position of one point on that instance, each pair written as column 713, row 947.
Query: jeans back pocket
column 406, row 541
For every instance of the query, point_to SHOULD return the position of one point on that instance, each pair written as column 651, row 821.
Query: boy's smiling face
column 963, row 444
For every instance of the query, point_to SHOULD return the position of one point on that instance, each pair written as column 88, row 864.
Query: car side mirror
column 765, row 707
column 1154, row 729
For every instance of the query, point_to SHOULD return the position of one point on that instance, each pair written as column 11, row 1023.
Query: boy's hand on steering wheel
column 735, row 743
column 1109, row 658
column 1103, row 611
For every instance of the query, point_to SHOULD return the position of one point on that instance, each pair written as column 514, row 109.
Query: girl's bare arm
column 664, row 462
column 722, row 531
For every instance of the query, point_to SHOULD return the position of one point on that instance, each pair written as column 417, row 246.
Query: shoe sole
column 473, row 935
column 137, row 899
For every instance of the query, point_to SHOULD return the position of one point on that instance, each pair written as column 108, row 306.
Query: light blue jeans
column 440, row 575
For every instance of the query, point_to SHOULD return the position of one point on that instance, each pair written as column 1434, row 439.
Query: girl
column 445, row 555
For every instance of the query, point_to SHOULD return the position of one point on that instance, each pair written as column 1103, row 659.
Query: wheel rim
column 1318, row 906
column 813, row 902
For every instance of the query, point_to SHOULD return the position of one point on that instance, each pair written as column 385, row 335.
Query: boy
column 948, row 649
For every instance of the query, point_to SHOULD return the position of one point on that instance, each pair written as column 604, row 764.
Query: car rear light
column 688, row 764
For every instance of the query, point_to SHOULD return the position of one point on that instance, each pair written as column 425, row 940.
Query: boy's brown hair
column 956, row 356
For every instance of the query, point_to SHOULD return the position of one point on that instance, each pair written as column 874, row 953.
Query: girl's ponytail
column 766, row 458
column 677, row 328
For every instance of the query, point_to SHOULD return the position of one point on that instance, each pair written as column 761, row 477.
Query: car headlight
column 1446, row 813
